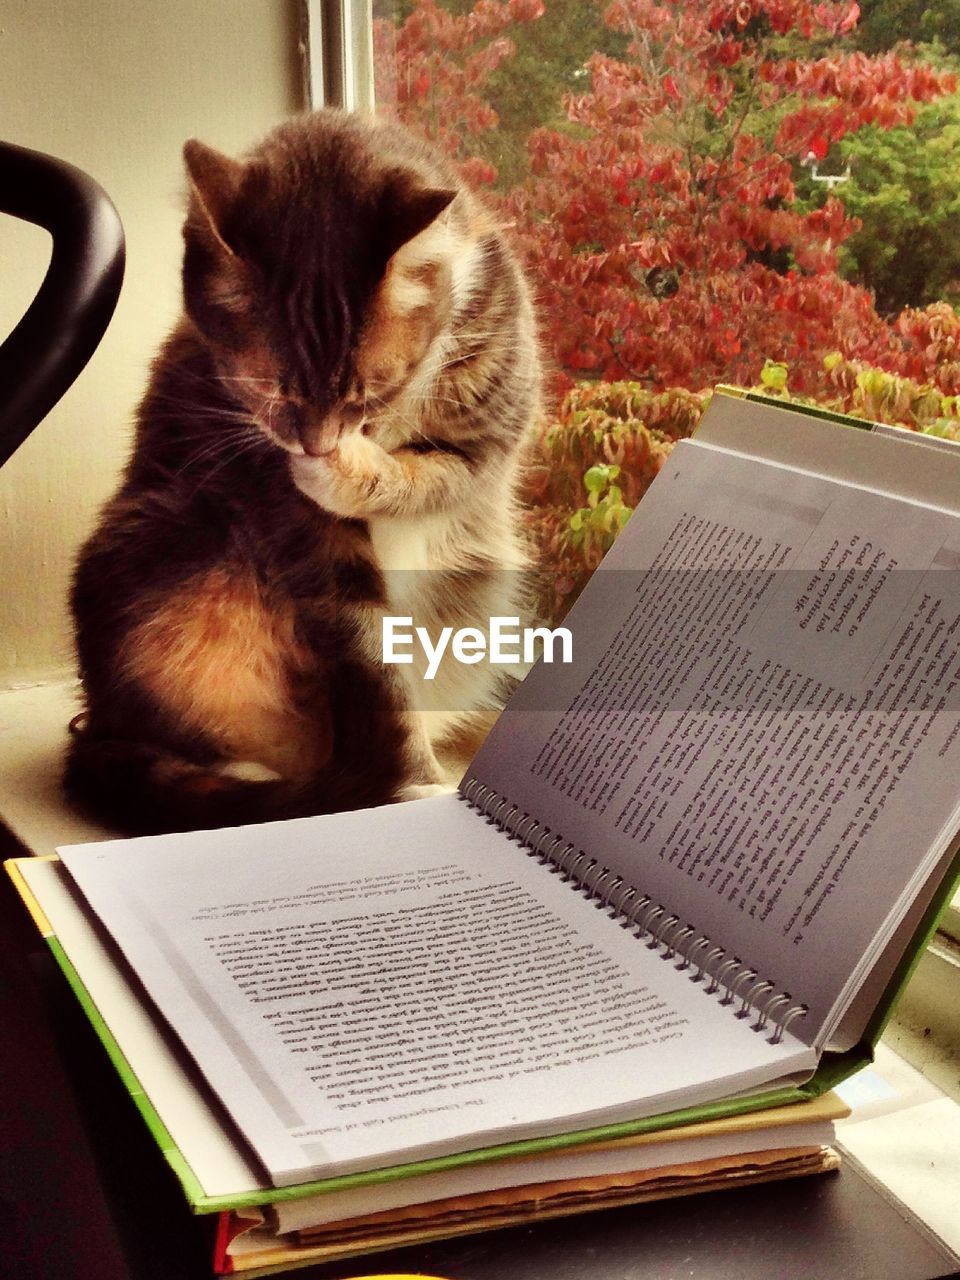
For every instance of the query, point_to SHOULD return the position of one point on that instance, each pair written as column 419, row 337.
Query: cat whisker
column 193, row 377
column 233, row 434
column 466, row 342
column 186, row 405
column 230, row 442
column 457, row 401
column 190, row 418
column 454, row 361
column 469, row 338
column 264, row 415
column 409, row 424
column 248, row 446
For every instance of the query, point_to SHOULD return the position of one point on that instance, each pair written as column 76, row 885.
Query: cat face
column 316, row 271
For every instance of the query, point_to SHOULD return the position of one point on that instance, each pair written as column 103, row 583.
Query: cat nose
column 320, row 438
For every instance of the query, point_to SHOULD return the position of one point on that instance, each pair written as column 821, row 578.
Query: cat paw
column 349, row 481
column 423, row 790
column 312, row 476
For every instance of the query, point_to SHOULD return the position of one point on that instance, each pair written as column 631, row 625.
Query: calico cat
column 332, row 433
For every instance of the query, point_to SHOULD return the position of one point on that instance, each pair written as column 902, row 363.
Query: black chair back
column 63, row 325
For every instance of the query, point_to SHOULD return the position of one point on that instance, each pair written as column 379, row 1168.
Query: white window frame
column 337, row 49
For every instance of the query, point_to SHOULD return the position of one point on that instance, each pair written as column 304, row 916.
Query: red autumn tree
column 431, row 69
column 663, row 221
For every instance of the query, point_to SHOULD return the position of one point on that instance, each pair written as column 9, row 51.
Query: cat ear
column 215, row 181
column 406, row 210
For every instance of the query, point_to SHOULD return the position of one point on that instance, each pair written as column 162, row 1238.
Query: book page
column 404, row 982
column 760, row 726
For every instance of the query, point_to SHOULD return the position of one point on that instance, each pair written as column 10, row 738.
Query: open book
column 682, row 872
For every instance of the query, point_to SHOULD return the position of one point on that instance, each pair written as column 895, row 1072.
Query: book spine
column 723, row 974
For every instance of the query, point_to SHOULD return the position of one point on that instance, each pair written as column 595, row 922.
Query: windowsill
column 926, row 1026
column 906, row 1134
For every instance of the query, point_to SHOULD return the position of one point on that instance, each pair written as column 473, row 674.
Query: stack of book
column 669, row 907
column 783, row 1142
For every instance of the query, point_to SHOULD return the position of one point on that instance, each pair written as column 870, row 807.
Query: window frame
column 337, row 50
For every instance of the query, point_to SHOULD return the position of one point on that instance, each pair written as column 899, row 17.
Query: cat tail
column 139, row 788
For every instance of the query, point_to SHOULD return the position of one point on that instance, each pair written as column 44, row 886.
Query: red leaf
column 527, row 10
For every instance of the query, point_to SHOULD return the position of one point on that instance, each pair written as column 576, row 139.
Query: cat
column 333, row 432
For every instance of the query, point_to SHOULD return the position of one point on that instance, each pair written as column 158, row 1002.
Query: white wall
column 115, row 87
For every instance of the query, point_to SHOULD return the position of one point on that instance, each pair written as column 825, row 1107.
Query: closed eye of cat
column 439, row 446
column 352, row 412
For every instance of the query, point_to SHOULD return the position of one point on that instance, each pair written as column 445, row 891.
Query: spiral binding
column 725, row 975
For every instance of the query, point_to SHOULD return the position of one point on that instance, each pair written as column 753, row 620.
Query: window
column 750, row 191
column 756, row 192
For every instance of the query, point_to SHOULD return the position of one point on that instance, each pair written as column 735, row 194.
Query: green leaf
column 596, row 478
column 774, row 375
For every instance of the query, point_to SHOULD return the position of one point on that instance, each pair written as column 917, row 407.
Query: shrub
column 592, row 464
